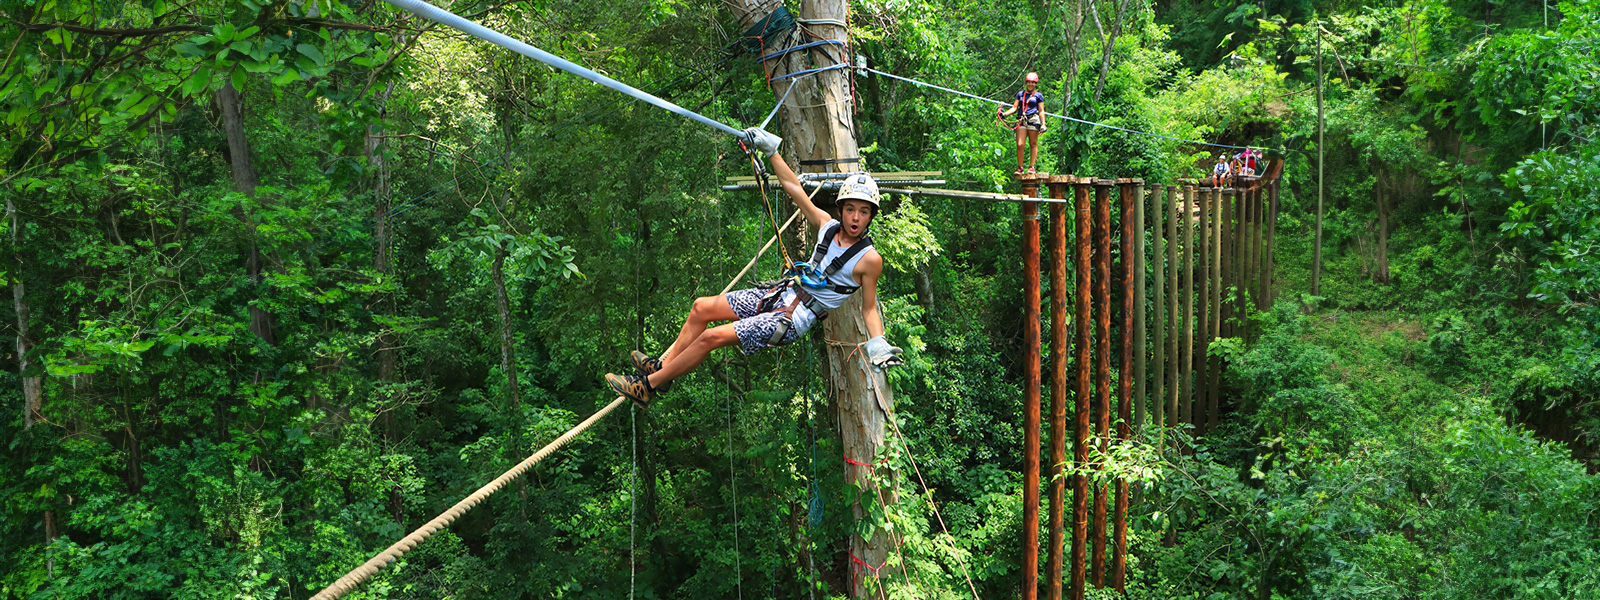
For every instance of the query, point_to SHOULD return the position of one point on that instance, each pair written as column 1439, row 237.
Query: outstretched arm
column 797, row 192
column 767, row 144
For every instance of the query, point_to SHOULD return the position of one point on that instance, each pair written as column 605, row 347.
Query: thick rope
column 361, row 573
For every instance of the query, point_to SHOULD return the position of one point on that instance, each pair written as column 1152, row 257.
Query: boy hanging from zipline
column 1031, row 122
column 843, row 262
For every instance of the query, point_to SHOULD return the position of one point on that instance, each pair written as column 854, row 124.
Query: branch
column 121, row 33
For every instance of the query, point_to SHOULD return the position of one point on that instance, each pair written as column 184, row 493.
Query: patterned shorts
column 755, row 328
column 1031, row 123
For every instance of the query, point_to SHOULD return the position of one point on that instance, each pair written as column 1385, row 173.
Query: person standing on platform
column 1028, row 104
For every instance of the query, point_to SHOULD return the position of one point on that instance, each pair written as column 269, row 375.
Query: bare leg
column 694, row 353
column 1022, row 141
column 705, row 310
column 1033, row 140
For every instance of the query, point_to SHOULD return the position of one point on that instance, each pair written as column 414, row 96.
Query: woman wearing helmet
column 1028, row 102
column 844, row 261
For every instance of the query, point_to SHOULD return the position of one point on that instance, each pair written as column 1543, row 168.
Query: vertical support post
column 1203, row 307
column 1316, row 247
column 1175, row 332
column 1272, row 246
column 1225, row 257
column 1213, row 389
column 1080, row 440
column 1261, row 248
column 1125, row 368
column 1242, row 215
column 1158, row 203
column 1102, row 375
column 1140, row 324
column 1186, row 361
column 1253, row 216
column 1030, row 399
column 1058, row 376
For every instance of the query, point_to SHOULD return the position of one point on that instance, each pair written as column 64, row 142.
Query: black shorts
column 755, row 328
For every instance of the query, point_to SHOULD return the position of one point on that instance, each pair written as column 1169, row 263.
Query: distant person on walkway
column 1029, row 103
column 1220, row 172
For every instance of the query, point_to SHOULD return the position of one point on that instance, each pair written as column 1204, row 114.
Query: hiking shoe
column 648, row 365
column 634, row 387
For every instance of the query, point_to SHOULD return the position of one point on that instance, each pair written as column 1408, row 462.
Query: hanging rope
column 383, row 559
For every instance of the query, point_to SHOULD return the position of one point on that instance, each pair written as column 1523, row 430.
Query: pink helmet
column 1032, row 77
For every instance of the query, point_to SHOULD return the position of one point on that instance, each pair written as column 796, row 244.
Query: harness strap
column 825, row 241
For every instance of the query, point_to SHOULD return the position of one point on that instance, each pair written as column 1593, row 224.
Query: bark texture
column 32, row 386
column 245, row 182
column 825, row 129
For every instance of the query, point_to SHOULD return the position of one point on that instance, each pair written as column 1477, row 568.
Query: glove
column 882, row 355
column 764, row 142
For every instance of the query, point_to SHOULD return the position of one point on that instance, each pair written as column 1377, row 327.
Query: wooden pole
column 1213, row 390
column 1247, row 273
column 1316, row 247
column 1174, row 321
column 1261, row 248
column 1130, row 203
column 1242, row 216
column 1158, row 205
column 818, row 124
column 1082, row 195
column 1140, row 324
column 1186, row 361
column 1272, row 246
column 1225, row 256
column 1102, row 375
column 1203, row 307
column 1030, row 398
column 1058, row 375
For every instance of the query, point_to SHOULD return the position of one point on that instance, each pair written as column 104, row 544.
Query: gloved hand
column 882, row 355
column 764, row 142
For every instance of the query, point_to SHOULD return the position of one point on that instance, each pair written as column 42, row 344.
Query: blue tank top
column 1030, row 102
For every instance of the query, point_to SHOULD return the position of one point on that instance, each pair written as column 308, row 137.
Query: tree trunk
column 245, row 182
column 508, row 363
column 924, row 278
column 507, row 350
column 1072, row 31
column 1108, row 44
column 824, row 129
column 32, row 386
column 1382, row 273
column 383, row 255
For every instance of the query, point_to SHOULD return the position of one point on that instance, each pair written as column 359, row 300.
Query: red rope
column 859, row 569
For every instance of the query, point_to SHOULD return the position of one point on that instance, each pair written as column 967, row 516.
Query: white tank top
column 845, row 276
column 803, row 318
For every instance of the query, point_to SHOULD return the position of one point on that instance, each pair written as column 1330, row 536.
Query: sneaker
column 634, row 387
column 647, row 365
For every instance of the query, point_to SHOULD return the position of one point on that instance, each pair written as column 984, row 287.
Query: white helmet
column 861, row 186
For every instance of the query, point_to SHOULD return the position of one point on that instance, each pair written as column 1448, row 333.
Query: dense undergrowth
column 246, row 394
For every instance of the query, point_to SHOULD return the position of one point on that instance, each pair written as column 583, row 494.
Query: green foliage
column 245, row 394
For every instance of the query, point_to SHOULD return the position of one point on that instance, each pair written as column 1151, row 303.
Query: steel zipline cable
column 1059, row 116
column 445, row 17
